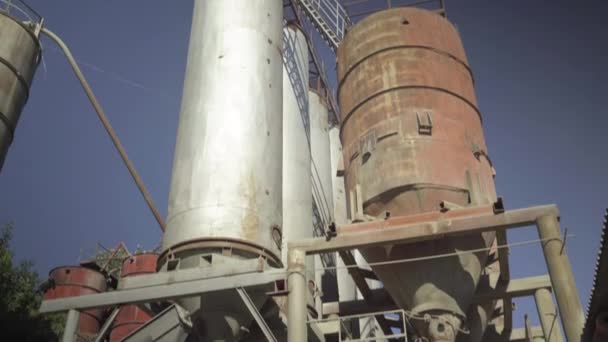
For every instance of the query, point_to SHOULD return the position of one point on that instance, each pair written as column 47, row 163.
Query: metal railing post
column 547, row 315
column 297, row 319
column 71, row 326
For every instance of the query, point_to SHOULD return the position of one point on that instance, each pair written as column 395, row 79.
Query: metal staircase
column 329, row 18
column 295, row 78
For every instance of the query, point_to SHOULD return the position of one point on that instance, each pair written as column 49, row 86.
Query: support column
column 562, row 279
column 547, row 315
column 296, row 300
column 71, row 326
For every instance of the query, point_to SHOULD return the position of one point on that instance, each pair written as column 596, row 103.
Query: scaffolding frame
column 405, row 229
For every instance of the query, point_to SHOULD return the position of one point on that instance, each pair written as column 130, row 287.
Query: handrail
column 330, row 17
column 26, row 13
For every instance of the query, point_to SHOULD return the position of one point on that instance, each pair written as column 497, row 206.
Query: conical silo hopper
column 412, row 138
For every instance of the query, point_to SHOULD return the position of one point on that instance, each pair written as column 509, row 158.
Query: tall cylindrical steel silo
column 297, row 184
column 226, row 182
column 321, row 181
column 297, row 200
column 412, row 137
column 20, row 53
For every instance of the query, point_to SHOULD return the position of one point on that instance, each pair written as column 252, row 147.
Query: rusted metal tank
column 412, row 138
column 19, row 56
column 72, row 281
column 131, row 317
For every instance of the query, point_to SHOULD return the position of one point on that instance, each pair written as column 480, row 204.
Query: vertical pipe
column 547, row 315
column 296, row 300
column 528, row 327
column 71, row 326
column 320, row 154
column 321, row 177
column 347, row 290
column 562, row 279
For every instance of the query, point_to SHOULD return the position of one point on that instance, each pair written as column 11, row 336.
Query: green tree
column 20, row 299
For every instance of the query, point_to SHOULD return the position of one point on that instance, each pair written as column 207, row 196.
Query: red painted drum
column 72, row 281
column 131, row 317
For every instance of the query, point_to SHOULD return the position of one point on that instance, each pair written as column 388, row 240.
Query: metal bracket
column 425, row 127
column 561, row 251
column 367, row 145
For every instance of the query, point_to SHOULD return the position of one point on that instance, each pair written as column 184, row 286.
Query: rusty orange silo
column 412, row 138
column 131, row 317
column 72, row 281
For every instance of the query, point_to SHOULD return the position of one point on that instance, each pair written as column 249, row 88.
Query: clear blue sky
column 541, row 77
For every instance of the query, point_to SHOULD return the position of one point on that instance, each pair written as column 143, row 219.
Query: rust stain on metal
column 251, row 221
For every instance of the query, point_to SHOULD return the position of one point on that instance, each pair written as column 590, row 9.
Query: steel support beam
column 423, row 227
column 503, row 255
column 157, row 292
column 361, row 282
column 519, row 335
column 547, row 315
column 297, row 318
column 529, row 334
column 515, row 288
column 507, row 307
column 105, row 328
column 568, row 301
column 380, row 300
column 256, row 314
column 71, row 326
column 170, row 325
column 216, row 270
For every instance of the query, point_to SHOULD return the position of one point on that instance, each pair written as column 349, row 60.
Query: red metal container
column 412, row 138
column 131, row 317
column 72, row 281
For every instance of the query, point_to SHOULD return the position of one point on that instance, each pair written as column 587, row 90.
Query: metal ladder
column 329, row 18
